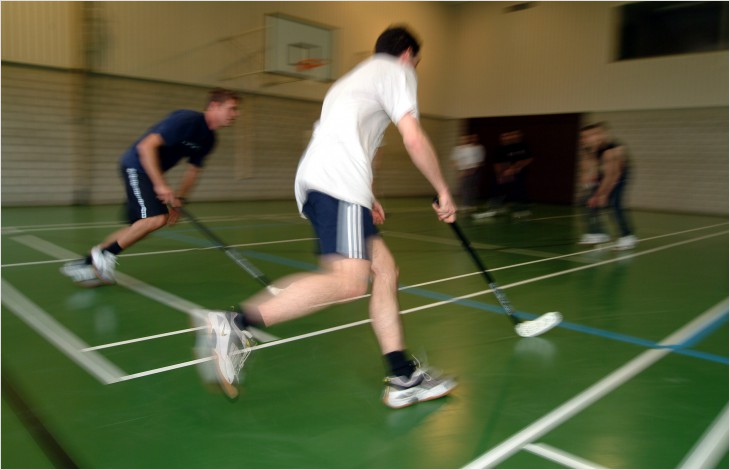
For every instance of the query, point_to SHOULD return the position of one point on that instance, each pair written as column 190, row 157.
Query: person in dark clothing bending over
column 151, row 202
column 605, row 174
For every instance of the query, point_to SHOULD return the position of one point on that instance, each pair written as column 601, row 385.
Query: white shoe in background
column 625, row 243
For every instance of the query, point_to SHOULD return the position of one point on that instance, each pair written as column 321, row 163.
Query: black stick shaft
column 501, row 296
column 230, row 252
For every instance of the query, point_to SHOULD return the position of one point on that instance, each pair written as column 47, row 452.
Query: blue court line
column 683, row 348
column 704, row 332
column 204, row 243
column 680, row 348
column 222, row 228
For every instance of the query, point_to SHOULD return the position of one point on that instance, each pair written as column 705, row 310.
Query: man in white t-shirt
column 468, row 157
column 333, row 190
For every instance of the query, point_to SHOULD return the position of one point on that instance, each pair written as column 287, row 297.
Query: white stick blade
column 539, row 325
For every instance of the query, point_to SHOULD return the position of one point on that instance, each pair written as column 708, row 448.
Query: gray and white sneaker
column 105, row 265
column 625, row 243
column 423, row 385
column 81, row 273
column 231, row 347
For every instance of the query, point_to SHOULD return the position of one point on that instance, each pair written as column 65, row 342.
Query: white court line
column 479, row 246
column 434, row 239
column 43, row 324
column 560, row 456
column 189, row 307
column 411, row 310
column 595, row 392
column 517, row 265
column 162, row 252
column 258, row 346
column 446, row 241
column 440, row 240
column 109, row 224
column 261, row 334
column 131, row 283
column 711, row 447
column 144, row 338
column 570, row 216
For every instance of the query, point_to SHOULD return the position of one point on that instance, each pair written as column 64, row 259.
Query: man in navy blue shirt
column 182, row 134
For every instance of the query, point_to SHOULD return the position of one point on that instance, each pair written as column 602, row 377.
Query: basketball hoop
column 305, row 65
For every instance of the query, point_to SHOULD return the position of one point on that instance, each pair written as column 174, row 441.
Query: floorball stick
column 230, row 252
column 523, row 328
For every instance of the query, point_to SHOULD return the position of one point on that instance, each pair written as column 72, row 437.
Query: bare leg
column 384, row 308
column 130, row 235
column 342, row 279
column 114, row 236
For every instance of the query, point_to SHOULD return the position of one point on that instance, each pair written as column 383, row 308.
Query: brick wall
column 38, row 146
column 63, row 133
column 679, row 157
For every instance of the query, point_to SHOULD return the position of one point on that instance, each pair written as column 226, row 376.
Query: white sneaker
column 594, row 239
column 105, row 265
column 625, row 243
column 231, row 348
column 81, row 273
column 423, row 385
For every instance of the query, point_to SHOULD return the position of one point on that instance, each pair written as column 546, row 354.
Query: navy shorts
column 343, row 228
column 142, row 201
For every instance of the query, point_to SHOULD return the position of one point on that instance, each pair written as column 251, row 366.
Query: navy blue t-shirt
column 185, row 134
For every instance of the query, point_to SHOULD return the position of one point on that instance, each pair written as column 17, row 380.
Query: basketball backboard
column 298, row 48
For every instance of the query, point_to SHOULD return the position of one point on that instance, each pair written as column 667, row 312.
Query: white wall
column 678, row 157
column 478, row 61
column 184, row 42
column 558, row 57
column 42, row 33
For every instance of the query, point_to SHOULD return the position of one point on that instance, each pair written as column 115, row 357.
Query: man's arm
column 149, row 157
column 588, row 168
column 612, row 160
column 423, row 155
column 190, row 177
column 188, row 181
column 519, row 165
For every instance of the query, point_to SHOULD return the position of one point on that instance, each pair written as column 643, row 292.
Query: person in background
column 468, row 157
column 605, row 172
column 510, row 168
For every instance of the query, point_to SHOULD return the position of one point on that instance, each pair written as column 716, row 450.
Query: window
column 650, row 29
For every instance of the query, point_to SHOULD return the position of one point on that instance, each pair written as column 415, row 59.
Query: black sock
column 88, row 260
column 114, row 248
column 245, row 318
column 399, row 364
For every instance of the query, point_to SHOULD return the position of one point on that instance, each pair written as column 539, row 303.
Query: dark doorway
column 552, row 140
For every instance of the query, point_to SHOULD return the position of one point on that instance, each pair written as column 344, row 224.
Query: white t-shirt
column 355, row 113
column 468, row 156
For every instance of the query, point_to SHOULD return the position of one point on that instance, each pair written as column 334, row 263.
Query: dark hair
column 221, row 95
column 396, row 40
column 590, row 127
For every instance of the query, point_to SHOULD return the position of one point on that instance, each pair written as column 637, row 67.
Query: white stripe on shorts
column 350, row 240
column 134, row 182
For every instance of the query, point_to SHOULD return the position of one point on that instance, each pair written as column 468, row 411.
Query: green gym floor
column 635, row 377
